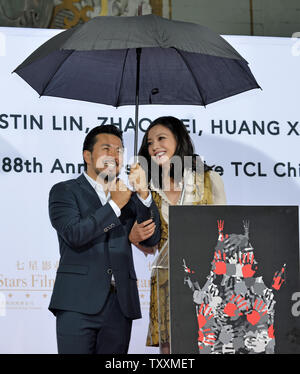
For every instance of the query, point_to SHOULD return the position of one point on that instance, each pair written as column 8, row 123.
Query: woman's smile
column 161, row 144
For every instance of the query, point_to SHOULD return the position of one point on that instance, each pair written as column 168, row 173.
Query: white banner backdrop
column 252, row 139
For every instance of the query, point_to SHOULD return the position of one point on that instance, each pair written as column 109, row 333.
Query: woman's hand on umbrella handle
column 137, row 179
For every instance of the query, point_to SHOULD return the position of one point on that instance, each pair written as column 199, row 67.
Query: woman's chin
column 162, row 161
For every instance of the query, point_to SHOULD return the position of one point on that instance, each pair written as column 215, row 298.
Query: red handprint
column 206, row 337
column 271, row 332
column 204, row 315
column 234, row 304
column 279, row 278
column 246, row 261
column 220, row 228
column 219, row 262
column 257, row 312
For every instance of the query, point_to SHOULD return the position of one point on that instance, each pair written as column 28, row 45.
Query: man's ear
column 87, row 156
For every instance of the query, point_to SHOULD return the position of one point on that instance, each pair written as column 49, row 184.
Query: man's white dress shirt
column 106, row 199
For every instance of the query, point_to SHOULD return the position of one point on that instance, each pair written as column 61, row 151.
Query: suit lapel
column 90, row 193
column 94, row 200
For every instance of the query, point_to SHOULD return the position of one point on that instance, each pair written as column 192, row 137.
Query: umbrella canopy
column 177, row 63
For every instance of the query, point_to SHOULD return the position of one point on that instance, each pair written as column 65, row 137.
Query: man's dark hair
column 91, row 138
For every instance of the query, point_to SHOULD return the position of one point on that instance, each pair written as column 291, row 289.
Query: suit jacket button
column 109, row 271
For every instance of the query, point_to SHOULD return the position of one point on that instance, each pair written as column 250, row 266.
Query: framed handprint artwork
column 234, row 279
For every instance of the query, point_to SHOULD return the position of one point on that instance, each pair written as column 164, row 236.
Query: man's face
column 106, row 159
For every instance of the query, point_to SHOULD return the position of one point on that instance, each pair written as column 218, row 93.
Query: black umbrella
column 138, row 60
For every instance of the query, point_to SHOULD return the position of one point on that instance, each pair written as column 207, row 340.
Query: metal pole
column 137, row 92
column 251, row 18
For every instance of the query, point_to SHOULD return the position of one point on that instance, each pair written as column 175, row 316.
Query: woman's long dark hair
column 184, row 148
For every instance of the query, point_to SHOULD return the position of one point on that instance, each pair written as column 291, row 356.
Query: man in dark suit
column 95, row 296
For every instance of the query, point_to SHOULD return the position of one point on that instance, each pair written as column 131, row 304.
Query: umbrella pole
column 137, row 92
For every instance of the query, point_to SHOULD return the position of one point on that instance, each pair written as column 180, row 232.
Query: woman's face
column 161, row 144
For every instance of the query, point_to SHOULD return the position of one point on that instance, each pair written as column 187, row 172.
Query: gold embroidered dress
column 197, row 190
